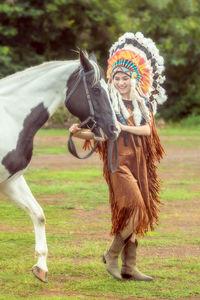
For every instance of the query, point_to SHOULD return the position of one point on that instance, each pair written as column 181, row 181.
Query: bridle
column 90, row 119
column 91, row 124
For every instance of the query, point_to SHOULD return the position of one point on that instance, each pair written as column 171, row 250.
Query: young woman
column 134, row 77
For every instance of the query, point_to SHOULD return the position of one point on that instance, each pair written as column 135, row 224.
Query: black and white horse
column 27, row 100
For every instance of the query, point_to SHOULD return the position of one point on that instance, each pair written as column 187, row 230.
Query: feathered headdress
column 139, row 58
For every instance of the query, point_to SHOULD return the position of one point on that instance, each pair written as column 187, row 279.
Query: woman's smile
column 122, row 83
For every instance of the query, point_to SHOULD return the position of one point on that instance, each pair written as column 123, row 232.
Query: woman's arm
column 77, row 132
column 138, row 130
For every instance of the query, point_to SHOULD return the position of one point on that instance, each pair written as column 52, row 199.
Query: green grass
column 50, row 150
column 53, row 132
column 171, row 194
column 187, row 127
column 179, row 131
column 86, row 175
column 188, row 142
column 76, row 206
column 60, row 148
column 169, row 130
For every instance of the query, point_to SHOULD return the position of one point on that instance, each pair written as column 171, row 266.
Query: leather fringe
column 147, row 216
column 89, row 144
column 153, row 152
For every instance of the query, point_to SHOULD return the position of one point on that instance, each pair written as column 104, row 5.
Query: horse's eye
column 96, row 90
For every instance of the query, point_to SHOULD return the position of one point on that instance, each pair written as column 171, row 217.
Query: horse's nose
column 112, row 128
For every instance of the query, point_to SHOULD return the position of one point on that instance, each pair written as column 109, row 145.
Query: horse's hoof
column 39, row 273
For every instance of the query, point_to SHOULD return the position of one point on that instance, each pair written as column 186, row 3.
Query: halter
column 90, row 120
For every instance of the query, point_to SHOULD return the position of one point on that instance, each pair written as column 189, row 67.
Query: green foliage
column 32, row 32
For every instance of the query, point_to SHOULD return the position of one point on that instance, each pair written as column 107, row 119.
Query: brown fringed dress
column 134, row 187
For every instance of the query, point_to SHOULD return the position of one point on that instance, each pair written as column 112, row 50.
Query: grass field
column 74, row 197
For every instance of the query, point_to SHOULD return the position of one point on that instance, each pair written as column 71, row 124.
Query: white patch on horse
column 22, row 92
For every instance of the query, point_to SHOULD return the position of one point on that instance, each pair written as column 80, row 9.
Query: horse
column 27, row 99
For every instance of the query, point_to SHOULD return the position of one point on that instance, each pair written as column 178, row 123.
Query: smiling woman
column 133, row 67
column 122, row 83
column 134, row 78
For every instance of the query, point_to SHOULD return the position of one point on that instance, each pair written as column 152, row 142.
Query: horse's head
column 88, row 99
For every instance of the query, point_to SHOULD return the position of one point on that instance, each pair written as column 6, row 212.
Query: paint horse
column 27, row 100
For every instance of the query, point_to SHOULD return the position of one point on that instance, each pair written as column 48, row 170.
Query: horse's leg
column 18, row 190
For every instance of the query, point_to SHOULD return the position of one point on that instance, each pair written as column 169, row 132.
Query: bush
column 191, row 121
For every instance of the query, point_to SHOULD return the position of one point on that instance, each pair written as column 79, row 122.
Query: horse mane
column 25, row 72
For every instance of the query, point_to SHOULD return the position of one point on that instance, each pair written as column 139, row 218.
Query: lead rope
column 71, row 145
column 110, row 155
column 72, row 150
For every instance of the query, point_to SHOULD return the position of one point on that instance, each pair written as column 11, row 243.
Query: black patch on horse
column 19, row 158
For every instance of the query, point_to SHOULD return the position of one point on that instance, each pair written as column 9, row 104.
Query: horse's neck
column 44, row 84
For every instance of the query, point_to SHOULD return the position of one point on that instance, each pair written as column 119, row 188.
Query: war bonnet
column 139, row 58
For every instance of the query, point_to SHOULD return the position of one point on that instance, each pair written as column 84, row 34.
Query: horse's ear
column 92, row 56
column 85, row 61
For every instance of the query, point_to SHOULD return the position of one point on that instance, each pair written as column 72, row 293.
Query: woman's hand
column 74, row 129
column 79, row 133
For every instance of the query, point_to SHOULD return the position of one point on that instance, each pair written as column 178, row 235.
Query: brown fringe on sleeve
column 153, row 152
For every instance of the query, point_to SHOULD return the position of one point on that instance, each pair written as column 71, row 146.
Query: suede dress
column 134, row 187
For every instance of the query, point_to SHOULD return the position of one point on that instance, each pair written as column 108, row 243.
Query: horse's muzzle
column 113, row 132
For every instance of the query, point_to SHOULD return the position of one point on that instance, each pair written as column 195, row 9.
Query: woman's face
column 122, row 83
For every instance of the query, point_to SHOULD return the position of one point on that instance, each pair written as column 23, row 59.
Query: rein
column 91, row 120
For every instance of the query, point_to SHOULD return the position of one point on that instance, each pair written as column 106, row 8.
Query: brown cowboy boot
column 110, row 256
column 129, row 270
